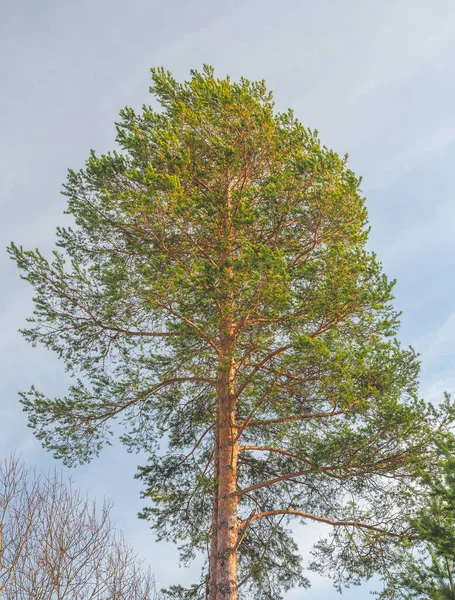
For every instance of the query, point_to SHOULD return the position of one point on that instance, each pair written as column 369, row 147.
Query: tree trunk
column 226, row 447
column 211, row 593
column 227, row 529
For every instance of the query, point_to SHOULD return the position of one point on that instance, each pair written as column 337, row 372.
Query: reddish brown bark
column 214, row 527
column 227, row 451
column 225, row 564
column 226, row 580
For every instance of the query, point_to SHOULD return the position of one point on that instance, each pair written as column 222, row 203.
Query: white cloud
column 416, row 35
column 420, row 238
column 437, row 353
column 437, row 346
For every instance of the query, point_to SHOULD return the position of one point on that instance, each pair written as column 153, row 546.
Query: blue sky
column 377, row 79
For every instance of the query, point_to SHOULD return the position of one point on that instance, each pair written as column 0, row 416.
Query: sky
column 376, row 79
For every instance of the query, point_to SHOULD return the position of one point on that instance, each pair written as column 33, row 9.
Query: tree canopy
column 216, row 296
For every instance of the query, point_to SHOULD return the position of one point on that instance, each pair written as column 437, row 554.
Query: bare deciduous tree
column 57, row 545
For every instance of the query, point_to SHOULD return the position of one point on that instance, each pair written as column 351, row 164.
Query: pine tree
column 217, row 298
column 426, row 569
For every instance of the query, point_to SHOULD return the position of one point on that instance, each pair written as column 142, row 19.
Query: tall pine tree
column 216, row 297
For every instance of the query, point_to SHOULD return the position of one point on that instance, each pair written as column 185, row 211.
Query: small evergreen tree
column 216, row 296
column 427, row 570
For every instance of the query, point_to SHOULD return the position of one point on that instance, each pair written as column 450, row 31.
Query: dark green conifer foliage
column 216, row 298
column 427, row 569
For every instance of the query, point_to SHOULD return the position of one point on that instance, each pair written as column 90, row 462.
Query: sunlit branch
column 196, row 445
column 304, row 417
column 149, row 392
column 279, row 451
column 259, row 365
column 305, row 515
column 93, row 319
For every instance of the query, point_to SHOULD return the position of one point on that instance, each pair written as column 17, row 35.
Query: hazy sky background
column 376, row 78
